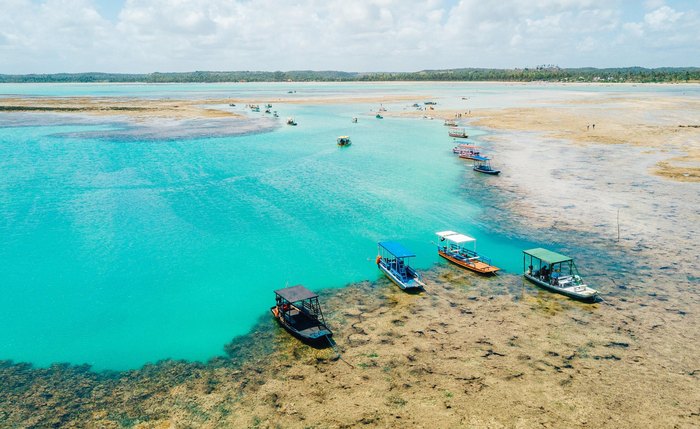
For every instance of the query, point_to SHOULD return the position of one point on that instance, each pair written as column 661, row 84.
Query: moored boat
column 460, row 133
column 344, row 141
column 291, row 121
column 378, row 116
column 450, row 123
column 394, row 261
column 466, row 151
column 298, row 311
column 556, row 273
column 483, row 165
column 452, row 247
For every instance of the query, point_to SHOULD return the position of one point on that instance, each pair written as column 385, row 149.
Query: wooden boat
column 298, row 311
column 458, row 133
column 291, row 121
column 483, row 165
column 394, row 261
column 451, row 247
column 344, row 141
column 556, row 273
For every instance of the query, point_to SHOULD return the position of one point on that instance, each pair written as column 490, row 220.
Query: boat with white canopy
column 452, row 247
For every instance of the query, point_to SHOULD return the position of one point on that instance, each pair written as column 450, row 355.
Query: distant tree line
column 548, row 73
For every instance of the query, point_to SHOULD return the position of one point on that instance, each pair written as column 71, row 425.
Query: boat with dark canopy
column 394, row 261
column 298, row 311
column 452, row 248
column 556, row 273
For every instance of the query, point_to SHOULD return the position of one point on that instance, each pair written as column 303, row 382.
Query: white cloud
column 171, row 35
column 662, row 17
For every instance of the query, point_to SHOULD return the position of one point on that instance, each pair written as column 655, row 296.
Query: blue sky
column 46, row 36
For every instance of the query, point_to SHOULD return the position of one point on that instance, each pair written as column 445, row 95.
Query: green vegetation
column 547, row 73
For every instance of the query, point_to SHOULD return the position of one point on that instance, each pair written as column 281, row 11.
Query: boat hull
column 413, row 284
column 492, row 172
column 584, row 297
column 473, row 265
column 318, row 336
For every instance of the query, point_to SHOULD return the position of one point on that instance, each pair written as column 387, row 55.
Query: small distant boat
column 354, row 120
column 466, row 151
column 452, row 248
column 232, row 105
column 394, row 261
column 458, row 132
column 344, row 141
column 483, row 165
column 291, row 121
column 268, row 106
column 298, row 311
column 429, row 103
column 378, row 116
column 267, row 111
column 450, row 123
column 556, row 273
column 275, row 114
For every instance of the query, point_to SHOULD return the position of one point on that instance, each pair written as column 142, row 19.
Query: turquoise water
column 121, row 251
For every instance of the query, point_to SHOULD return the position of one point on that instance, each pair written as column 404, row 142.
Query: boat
column 291, row 121
column 483, row 165
column 556, row 273
column 268, row 106
column 344, row 141
column 394, row 261
column 429, row 103
column 452, row 247
column 378, row 116
column 466, row 151
column 254, row 108
column 450, row 123
column 267, row 111
column 275, row 114
column 458, row 132
column 354, row 120
column 298, row 311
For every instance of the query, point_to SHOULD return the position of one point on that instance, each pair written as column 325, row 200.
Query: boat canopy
column 396, row 249
column 295, row 293
column 480, row 158
column 547, row 256
column 343, row 137
column 455, row 237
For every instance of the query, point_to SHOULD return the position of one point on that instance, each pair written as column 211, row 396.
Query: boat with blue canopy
column 452, row 247
column 298, row 311
column 556, row 273
column 394, row 261
column 483, row 165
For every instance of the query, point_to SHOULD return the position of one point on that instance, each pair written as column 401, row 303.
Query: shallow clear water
column 119, row 251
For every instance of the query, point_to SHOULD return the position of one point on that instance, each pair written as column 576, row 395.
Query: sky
column 143, row 36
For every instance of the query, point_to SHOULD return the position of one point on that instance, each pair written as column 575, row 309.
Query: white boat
column 556, row 273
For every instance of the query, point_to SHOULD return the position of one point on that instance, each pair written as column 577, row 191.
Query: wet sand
column 469, row 351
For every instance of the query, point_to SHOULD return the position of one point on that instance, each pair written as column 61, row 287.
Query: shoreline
column 469, row 351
